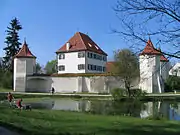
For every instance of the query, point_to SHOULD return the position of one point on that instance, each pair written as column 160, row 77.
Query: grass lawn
column 46, row 122
column 5, row 90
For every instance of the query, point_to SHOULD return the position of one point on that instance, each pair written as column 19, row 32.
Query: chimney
column 67, row 46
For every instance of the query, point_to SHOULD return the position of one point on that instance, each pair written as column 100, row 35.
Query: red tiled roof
column 81, row 42
column 163, row 58
column 149, row 49
column 109, row 66
column 24, row 52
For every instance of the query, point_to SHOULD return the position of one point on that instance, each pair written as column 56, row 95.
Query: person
column 19, row 104
column 10, row 97
column 53, row 90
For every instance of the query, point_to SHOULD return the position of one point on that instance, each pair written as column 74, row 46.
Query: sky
column 48, row 24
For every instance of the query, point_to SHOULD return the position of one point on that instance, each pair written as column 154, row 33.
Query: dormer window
column 61, row 56
column 89, row 45
column 96, row 47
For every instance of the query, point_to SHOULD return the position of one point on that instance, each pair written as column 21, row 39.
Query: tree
column 12, row 42
column 126, row 67
column 51, row 67
column 143, row 18
column 38, row 68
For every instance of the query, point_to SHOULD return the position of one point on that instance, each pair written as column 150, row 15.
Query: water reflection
column 134, row 109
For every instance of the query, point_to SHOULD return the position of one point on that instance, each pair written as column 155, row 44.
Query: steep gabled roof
column 81, row 42
column 24, row 52
column 149, row 49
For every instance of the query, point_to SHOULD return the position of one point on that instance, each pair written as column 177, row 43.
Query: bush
column 138, row 93
column 6, row 79
column 172, row 83
column 118, row 93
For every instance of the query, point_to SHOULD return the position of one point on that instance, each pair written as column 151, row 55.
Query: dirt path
column 4, row 131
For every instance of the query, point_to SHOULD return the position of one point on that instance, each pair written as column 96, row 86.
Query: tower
column 165, row 67
column 149, row 60
column 24, row 64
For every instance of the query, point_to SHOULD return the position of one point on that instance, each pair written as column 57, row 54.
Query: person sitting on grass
column 19, row 104
column 10, row 97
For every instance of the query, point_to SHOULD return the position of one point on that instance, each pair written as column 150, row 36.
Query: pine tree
column 13, row 44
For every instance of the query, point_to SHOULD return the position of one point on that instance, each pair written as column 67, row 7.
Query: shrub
column 118, row 93
column 138, row 93
column 6, row 80
column 172, row 83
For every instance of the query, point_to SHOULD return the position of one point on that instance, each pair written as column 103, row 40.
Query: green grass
column 5, row 90
column 46, row 122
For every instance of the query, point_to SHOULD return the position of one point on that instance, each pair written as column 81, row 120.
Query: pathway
column 4, row 131
column 94, row 94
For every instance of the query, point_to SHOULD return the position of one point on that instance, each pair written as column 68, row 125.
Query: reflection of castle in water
column 71, row 105
column 155, row 109
column 142, row 110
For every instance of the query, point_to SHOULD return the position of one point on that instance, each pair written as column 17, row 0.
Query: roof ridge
column 79, row 33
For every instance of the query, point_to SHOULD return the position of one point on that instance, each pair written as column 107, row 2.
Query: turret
column 165, row 67
column 149, row 60
column 24, row 64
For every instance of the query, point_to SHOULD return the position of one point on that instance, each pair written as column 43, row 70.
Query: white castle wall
column 95, row 84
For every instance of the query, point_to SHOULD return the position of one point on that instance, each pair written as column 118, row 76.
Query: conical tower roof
column 24, row 52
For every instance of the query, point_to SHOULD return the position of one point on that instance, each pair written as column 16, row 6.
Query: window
column 104, row 69
column 61, row 56
column 99, row 57
column 104, row 58
column 99, row 68
column 95, row 67
column 91, row 67
column 61, row 68
column 91, row 55
column 81, row 54
column 81, row 67
column 94, row 56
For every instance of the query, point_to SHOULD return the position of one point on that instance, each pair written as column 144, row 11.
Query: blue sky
column 47, row 25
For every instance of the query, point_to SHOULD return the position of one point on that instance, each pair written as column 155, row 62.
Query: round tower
column 165, row 67
column 149, row 60
column 24, row 64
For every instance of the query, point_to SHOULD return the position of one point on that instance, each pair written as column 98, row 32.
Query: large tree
column 159, row 19
column 12, row 43
column 38, row 68
column 51, row 67
column 126, row 66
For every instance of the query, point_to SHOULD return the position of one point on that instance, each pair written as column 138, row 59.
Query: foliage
column 13, row 44
column 118, row 93
column 138, row 16
column 51, row 67
column 5, row 79
column 138, row 93
column 127, row 67
column 172, row 83
column 38, row 68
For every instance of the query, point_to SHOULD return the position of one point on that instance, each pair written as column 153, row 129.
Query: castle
column 82, row 65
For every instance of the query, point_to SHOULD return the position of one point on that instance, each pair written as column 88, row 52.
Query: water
column 168, row 110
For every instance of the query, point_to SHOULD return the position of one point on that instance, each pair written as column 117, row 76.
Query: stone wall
column 95, row 84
